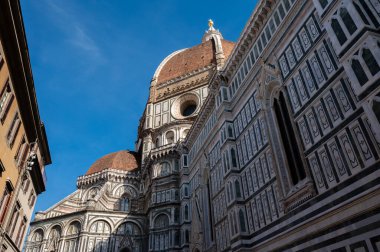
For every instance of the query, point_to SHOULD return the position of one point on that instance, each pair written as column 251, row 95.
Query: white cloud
column 75, row 31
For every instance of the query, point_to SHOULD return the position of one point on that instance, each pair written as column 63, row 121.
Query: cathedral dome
column 121, row 160
column 187, row 60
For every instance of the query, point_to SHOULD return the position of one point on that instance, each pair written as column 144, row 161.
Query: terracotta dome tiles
column 122, row 160
column 191, row 59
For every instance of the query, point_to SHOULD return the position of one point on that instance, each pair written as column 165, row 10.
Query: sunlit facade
column 269, row 144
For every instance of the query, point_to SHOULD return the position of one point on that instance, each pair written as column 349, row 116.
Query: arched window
column 160, row 238
column 243, row 228
column 347, row 20
column 225, row 163
column 186, row 191
column 165, row 168
column 100, row 227
column 323, row 3
column 5, row 200
column 187, row 236
column 36, row 241
column 161, row 221
column 128, row 228
column 99, row 235
column 230, row 191
column 361, row 13
column 170, row 137
column 228, row 194
column 359, row 72
column 72, row 237
column 125, row 234
column 376, row 106
column 370, row 61
column 233, row 157
column 230, row 132
column 74, row 228
column 38, row 235
column 289, row 142
column 237, row 189
column 124, row 203
column 338, row 31
column 157, row 142
column 176, row 215
column 54, row 239
column 186, row 212
column 92, row 193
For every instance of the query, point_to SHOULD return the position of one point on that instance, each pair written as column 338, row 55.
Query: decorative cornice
column 185, row 76
column 248, row 36
column 106, row 175
column 179, row 88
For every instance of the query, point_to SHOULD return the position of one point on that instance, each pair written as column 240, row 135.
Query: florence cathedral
column 271, row 143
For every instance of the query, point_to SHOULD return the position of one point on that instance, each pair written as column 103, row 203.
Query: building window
column 243, row 227
column 21, row 231
column 38, row 235
column 185, row 163
column 343, row 21
column 170, row 137
column 364, row 66
column 36, row 240
column 74, row 228
column 338, row 31
column 5, row 200
column 25, row 184
column 186, row 212
column 376, row 106
column 22, row 152
column 32, row 198
column 54, row 239
column 370, row 61
column 359, row 72
column 124, row 203
column 230, row 131
column 5, row 101
column 361, row 13
column 100, row 227
column 347, row 20
column 14, row 219
column 2, row 168
column 71, row 242
column 233, row 158
column 186, row 191
column 157, row 142
column 165, row 168
column 323, row 3
column 187, row 236
column 287, row 134
column 162, row 221
column 13, row 129
column 237, row 189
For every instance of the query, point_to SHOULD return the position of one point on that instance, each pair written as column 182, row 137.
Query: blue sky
column 92, row 63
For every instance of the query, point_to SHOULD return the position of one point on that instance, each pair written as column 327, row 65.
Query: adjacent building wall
column 23, row 146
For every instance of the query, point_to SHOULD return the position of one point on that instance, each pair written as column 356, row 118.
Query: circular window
column 188, row 108
column 185, row 106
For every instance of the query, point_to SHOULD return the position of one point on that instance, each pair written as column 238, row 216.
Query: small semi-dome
column 121, row 160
